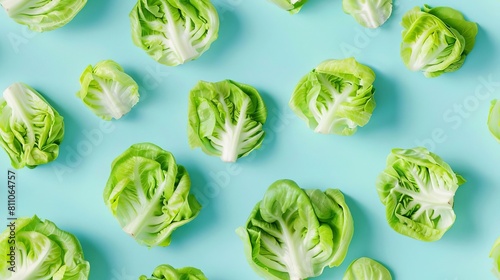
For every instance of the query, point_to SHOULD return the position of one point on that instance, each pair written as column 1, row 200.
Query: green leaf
column 436, row 40
column 494, row 119
column 456, row 20
column 495, row 255
column 418, row 188
column 368, row 13
column 336, row 97
column 226, row 119
column 43, row 251
column 173, row 32
column 292, row 6
column 366, row 269
column 42, row 15
column 30, row 129
column 148, row 193
column 294, row 233
column 167, row 272
column 107, row 90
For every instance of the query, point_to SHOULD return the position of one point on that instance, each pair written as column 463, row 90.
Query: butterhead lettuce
column 149, row 194
column 494, row 119
column 173, row 32
column 436, row 40
column 292, row 6
column 368, row 13
column 226, row 119
column 293, row 234
column 42, row 15
column 418, row 188
column 107, row 90
column 167, row 272
column 495, row 255
column 335, row 97
column 43, row 251
column 30, row 129
column 366, row 269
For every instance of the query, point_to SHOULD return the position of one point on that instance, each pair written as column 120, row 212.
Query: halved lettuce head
column 43, row 252
column 30, row 129
column 335, row 97
column 368, row 13
column 173, row 32
column 107, row 90
column 293, row 6
column 42, row 15
column 495, row 255
column 366, row 269
column 148, row 193
column 226, row 119
column 494, row 119
column 295, row 233
column 436, row 40
column 418, row 189
column 167, row 272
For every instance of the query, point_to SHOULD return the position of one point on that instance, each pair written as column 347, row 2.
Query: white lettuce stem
column 137, row 223
column 185, row 50
column 294, row 259
column 180, row 39
column 25, row 271
column 326, row 121
column 284, row 4
column 117, row 107
column 229, row 153
column 230, row 149
column 16, row 98
column 14, row 7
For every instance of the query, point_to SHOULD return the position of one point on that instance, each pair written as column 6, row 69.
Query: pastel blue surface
column 264, row 46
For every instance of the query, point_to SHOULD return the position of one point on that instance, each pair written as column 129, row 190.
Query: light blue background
column 261, row 45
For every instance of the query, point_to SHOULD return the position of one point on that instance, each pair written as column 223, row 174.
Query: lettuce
column 436, row 40
column 149, row 194
column 174, row 31
column 335, row 97
column 226, row 119
column 107, row 90
column 167, row 272
column 418, row 189
column 43, row 251
column 30, row 129
column 366, row 269
column 294, row 233
column 43, row 15
column 368, row 13
column 292, row 6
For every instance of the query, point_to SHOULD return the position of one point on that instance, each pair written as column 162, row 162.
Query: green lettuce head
column 366, row 269
column 148, row 193
column 436, row 40
column 42, row 15
column 174, row 31
column 107, row 90
column 30, row 129
column 226, row 119
column 494, row 119
column 293, row 6
column 418, row 189
column 43, row 251
column 495, row 255
column 294, row 233
column 335, row 97
column 167, row 272
column 371, row 13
